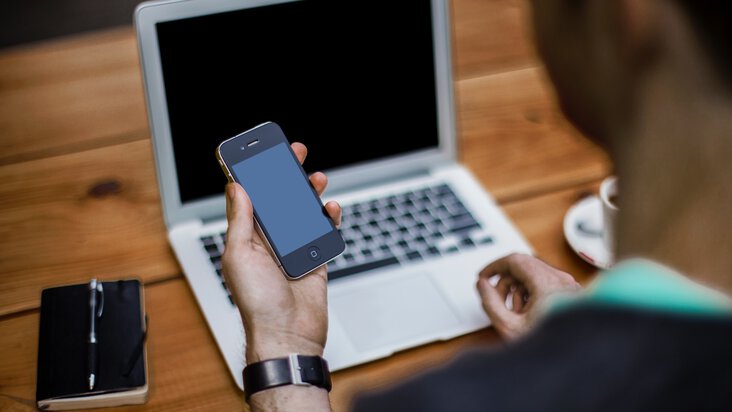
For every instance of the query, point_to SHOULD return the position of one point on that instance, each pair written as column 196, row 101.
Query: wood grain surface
column 78, row 196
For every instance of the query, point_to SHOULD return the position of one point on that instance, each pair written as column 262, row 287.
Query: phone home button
column 314, row 253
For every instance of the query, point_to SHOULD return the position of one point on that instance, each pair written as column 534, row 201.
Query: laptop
column 368, row 87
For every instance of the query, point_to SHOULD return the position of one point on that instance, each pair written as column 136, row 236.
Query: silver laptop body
column 388, row 294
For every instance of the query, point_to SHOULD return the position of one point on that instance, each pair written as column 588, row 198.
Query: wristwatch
column 295, row 369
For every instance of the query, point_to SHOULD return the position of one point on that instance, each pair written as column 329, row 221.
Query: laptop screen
column 354, row 81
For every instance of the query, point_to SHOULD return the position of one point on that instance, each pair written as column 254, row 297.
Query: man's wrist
column 280, row 346
column 307, row 398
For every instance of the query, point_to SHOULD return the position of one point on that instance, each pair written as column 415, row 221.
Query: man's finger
column 319, row 181
column 518, row 299
column 493, row 303
column 334, row 211
column 240, row 215
column 497, row 267
column 300, row 151
column 505, row 285
column 522, row 267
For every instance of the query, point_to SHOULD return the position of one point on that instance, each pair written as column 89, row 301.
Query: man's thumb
column 239, row 213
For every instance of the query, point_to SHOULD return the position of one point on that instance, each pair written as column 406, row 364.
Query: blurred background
column 26, row 21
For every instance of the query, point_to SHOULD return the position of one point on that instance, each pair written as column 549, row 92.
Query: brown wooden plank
column 187, row 372
column 55, row 227
column 490, row 36
column 46, row 117
column 18, row 364
column 70, row 94
column 516, row 140
column 70, row 58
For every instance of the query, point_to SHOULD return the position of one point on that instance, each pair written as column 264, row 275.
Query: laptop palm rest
column 394, row 312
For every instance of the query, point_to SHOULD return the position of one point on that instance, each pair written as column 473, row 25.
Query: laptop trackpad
column 393, row 312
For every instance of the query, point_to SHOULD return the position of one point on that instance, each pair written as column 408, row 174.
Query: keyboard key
column 486, row 240
column 414, row 255
column 465, row 225
column 212, row 249
column 458, row 209
column 467, row 242
column 363, row 268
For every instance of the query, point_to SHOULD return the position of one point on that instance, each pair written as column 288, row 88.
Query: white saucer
column 583, row 227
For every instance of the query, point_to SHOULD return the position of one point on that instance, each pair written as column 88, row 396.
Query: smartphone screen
column 287, row 208
column 283, row 199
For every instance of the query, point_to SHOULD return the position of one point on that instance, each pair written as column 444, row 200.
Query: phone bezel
column 297, row 263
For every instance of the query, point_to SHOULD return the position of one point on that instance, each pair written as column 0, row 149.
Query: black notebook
column 63, row 347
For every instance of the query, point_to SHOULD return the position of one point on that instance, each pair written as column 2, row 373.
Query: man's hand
column 524, row 281
column 280, row 316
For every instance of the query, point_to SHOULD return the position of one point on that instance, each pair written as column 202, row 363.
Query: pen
column 95, row 288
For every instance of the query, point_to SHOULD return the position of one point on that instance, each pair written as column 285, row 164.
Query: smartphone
column 287, row 210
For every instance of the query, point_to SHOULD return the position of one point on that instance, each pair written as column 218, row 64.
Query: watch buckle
column 296, row 370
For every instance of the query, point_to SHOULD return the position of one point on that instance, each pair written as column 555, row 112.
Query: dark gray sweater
column 587, row 358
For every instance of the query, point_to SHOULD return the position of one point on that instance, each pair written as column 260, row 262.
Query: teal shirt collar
column 642, row 283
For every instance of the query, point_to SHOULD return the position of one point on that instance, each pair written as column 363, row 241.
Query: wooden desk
column 78, row 196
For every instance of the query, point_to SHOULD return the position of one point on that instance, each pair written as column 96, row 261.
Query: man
column 651, row 81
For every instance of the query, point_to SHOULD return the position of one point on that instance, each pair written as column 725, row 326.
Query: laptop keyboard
column 393, row 230
column 405, row 227
column 214, row 245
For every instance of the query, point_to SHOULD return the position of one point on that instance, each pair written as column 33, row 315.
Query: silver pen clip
column 100, row 292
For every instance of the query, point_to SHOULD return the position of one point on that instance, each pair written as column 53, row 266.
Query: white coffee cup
column 608, row 196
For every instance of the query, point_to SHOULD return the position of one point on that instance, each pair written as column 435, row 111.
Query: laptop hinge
column 378, row 182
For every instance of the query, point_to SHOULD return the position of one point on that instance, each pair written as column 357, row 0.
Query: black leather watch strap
column 292, row 370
